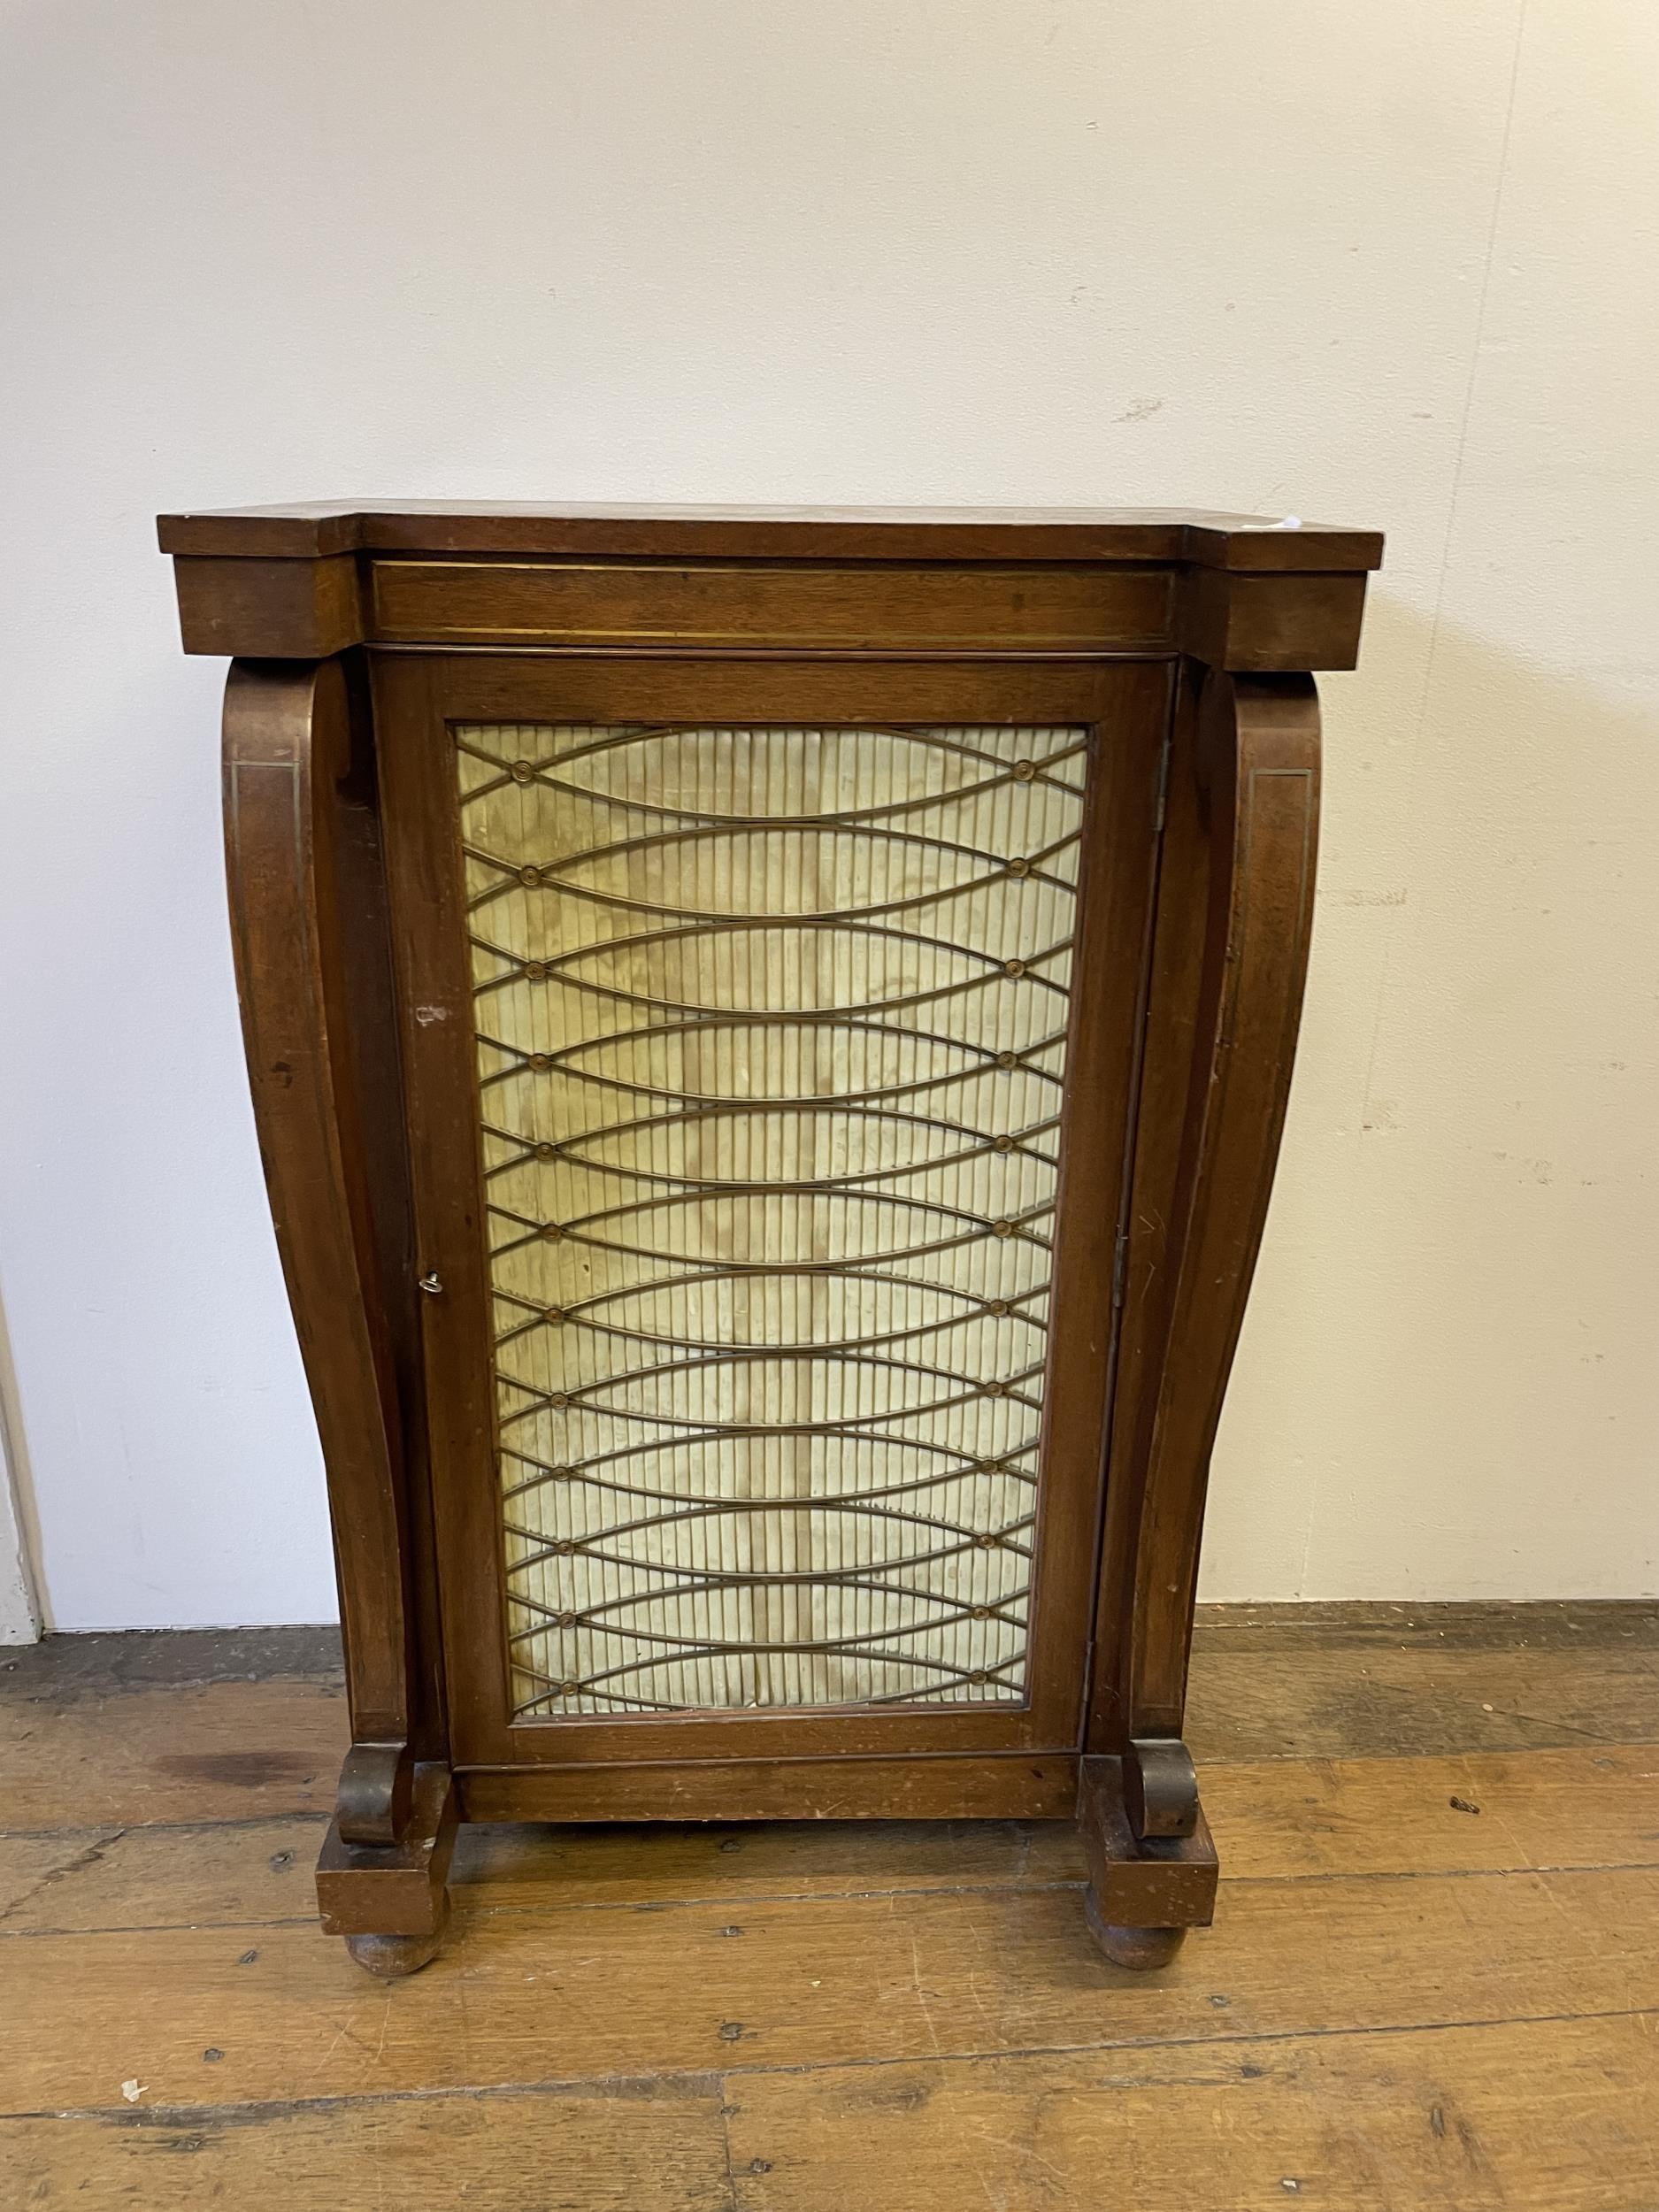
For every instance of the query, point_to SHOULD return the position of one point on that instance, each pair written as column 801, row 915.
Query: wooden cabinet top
column 311, row 529
column 1240, row 592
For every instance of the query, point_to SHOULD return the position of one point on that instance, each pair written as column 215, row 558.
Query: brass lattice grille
column 771, row 1028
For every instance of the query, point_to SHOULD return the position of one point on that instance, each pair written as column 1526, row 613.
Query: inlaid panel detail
column 770, row 1037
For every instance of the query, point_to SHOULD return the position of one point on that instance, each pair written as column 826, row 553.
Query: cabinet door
column 770, row 1028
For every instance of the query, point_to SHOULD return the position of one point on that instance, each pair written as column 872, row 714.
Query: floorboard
column 1433, row 1979
column 1562, row 2114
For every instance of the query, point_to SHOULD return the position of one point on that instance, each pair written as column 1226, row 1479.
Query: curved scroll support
column 1160, row 1787
column 1244, row 814
column 376, row 1783
column 300, row 843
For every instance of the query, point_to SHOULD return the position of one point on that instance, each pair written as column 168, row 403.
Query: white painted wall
column 1389, row 264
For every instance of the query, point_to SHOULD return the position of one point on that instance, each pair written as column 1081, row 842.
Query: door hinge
column 1163, row 784
column 1120, row 1260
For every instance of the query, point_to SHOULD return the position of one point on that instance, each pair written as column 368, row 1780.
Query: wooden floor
column 1433, row 1979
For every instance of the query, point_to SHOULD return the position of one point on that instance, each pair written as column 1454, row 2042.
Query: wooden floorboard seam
column 701, row 2081
column 466, row 1908
column 112, row 1831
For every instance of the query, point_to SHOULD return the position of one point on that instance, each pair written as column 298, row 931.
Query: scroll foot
column 1144, row 1890
column 390, row 1904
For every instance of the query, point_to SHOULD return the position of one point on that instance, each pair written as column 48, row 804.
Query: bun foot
column 1141, row 1948
column 391, row 1956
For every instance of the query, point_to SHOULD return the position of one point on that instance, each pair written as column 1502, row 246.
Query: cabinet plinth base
column 1144, row 1893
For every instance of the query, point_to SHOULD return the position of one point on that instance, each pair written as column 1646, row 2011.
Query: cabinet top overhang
column 313, row 530
column 1240, row 592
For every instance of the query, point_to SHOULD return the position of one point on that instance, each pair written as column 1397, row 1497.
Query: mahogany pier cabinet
column 770, row 1032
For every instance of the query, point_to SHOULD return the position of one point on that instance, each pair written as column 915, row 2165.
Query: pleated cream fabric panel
column 772, row 1030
